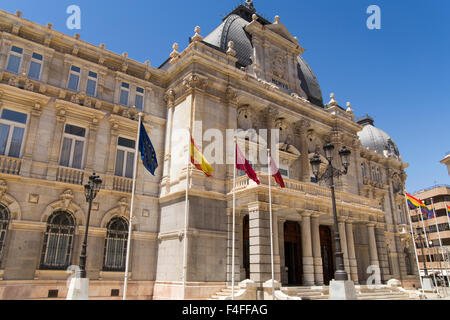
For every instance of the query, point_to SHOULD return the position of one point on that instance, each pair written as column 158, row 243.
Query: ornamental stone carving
column 169, row 97
column 194, row 81
column 279, row 65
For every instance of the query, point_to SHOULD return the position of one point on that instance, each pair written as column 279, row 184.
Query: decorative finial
column 175, row 54
column 254, row 17
column 147, row 63
column 332, row 101
column 19, row 13
column 102, row 46
column 277, row 19
column 230, row 50
column 197, row 36
column 249, row 4
column 77, row 36
column 349, row 108
column 125, row 55
column 49, row 26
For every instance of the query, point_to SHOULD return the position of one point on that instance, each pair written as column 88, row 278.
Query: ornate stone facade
column 206, row 83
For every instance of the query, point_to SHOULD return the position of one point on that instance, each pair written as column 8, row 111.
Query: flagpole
column 428, row 247
column 271, row 226
column 234, row 221
column 186, row 212
column 440, row 240
column 448, row 220
column 130, row 224
column 414, row 242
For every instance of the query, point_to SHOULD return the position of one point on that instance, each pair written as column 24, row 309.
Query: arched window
column 4, row 222
column 58, row 241
column 116, row 245
column 374, row 177
column 378, row 175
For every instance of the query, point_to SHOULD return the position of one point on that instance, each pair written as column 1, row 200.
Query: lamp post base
column 342, row 290
column 428, row 283
column 78, row 289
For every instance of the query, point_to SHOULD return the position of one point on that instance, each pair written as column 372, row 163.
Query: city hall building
column 69, row 108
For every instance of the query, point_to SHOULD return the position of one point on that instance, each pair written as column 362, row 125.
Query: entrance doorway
column 293, row 252
column 327, row 254
column 246, row 246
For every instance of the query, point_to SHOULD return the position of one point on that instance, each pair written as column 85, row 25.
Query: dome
column 377, row 140
column 232, row 29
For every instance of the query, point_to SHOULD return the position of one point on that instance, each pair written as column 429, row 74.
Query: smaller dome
column 377, row 140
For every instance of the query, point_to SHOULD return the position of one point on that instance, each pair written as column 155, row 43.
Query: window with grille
column 58, row 241
column 4, row 222
column 116, row 245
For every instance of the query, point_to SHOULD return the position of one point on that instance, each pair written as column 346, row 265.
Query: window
column 91, row 86
column 125, row 157
column 124, row 92
column 409, row 270
column 116, row 245
column 4, row 222
column 15, row 59
column 73, row 147
column 374, row 177
column 58, row 241
column 378, row 175
column 35, row 66
column 139, row 101
column 74, row 78
column 12, row 131
column 284, row 172
column 363, row 169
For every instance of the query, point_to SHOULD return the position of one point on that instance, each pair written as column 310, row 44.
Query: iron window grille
column 116, row 245
column 4, row 222
column 58, row 241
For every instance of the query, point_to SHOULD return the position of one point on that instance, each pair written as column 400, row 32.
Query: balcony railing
column 10, row 165
column 122, row 184
column 70, row 175
column 243, row 182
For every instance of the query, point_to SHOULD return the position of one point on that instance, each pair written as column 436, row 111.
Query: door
column 327, row 254
column 293, row 252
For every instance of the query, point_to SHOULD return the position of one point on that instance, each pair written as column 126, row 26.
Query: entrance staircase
column 363, row 292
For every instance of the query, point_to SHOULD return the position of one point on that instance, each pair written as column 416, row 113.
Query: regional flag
column 199, row 161
column 276, row 173
column 244, row 165
column 148, row 154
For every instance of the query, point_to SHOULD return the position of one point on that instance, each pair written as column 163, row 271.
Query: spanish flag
column 199, row 161
column 413, row 203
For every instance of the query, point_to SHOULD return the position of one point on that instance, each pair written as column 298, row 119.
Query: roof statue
column 249, row 5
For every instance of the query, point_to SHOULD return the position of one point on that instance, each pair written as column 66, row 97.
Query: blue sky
column 399, row 75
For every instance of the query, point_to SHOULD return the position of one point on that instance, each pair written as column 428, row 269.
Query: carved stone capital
column 195, row 81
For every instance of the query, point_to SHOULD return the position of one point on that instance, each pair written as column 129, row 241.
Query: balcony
column 70, row 175
column 10, row 165
column 122, row 184
column 299, row 187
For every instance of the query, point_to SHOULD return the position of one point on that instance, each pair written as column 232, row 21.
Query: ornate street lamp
column 330, row 173
column 90, row 191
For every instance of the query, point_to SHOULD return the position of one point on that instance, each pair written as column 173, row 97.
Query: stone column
column 351, row 252
column 307, row 258
column 56, row 146
column 237, row 268
column 4, row 52
column 91, row 146
column 318, row 268
column 372, row 244
column 343, row 235
column 260, row 268
column 111, row 156
column 276, row 248
column 33, row 126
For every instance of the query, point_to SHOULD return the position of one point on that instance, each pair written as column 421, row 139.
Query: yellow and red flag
column 199, row 161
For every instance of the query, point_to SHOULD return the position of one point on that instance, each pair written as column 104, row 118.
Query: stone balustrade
column 10, row 165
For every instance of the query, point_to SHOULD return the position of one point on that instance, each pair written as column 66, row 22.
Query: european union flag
column 148, row 154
